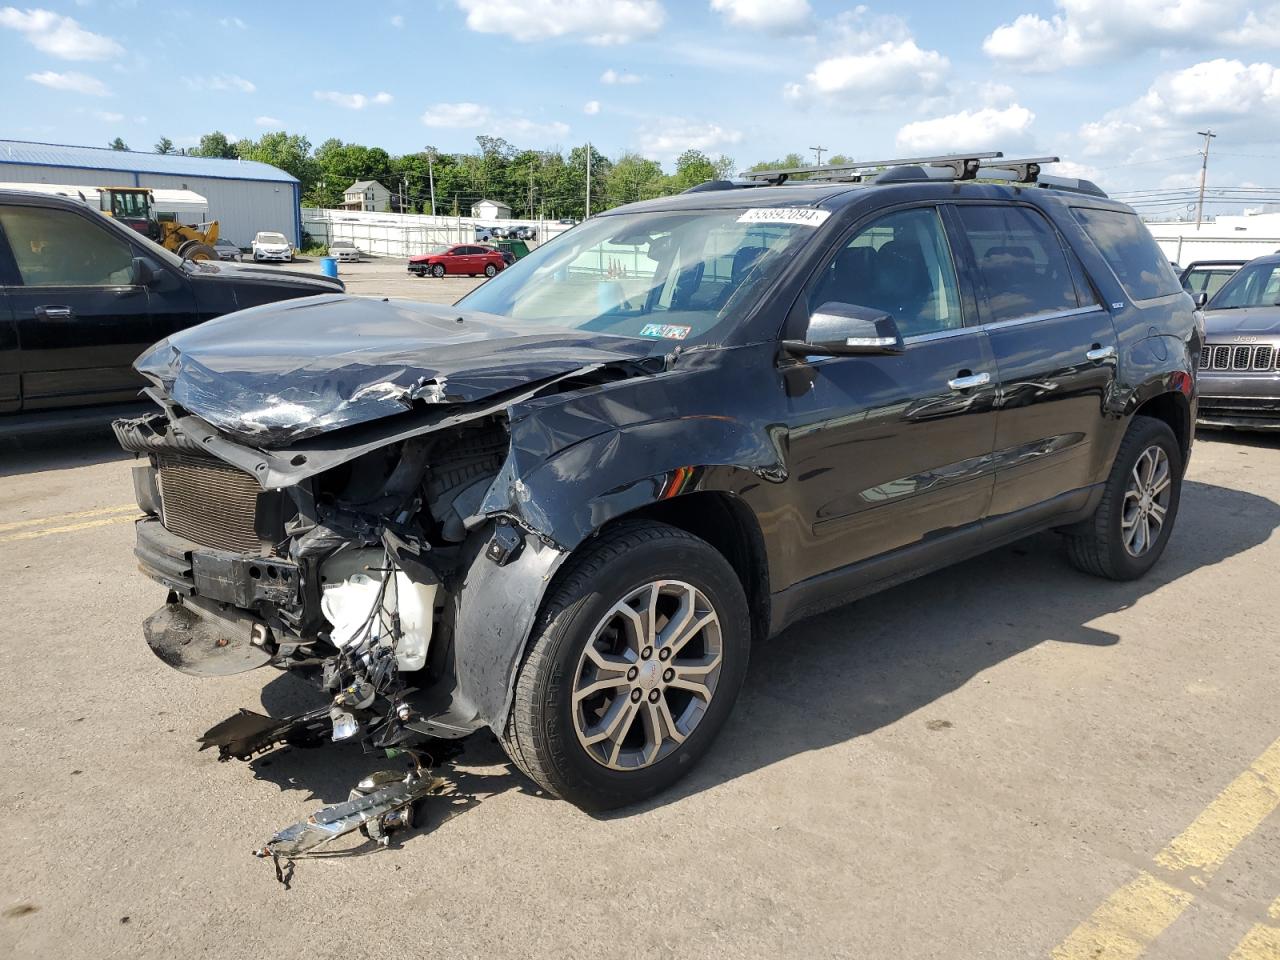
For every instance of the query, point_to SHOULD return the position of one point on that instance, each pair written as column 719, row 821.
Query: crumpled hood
column 276, row 374
column 1254, row 321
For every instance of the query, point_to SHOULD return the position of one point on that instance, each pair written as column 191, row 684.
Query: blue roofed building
column 244, row 196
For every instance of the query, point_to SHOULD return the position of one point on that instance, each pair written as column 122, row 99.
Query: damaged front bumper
column 392, row 588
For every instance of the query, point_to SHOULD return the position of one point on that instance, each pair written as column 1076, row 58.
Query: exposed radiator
column 210, row 503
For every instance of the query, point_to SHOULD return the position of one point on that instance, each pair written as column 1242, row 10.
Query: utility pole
column 588, row 216
column 819, row 151
column 431, row 177
column 530, row 190
column 1204, row 171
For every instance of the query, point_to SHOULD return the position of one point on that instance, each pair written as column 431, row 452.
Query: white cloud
column 479, row 116
column 598, row 22
column 71, row 82
column 353, row 101
column 614, row 77
column 873, row 62
column 985, row 129
column 463, row 114
column 774, row 16
column 106, row 116
column 59, row 36
column 1236, row 99
column 266, row 121
column 877, row 78
column 674, row 135
column 397, row 21
column 1087, row 31
column 525, row 129
column 220, row 82
column 1070, row 168
column 233, row 23
column 591, row 107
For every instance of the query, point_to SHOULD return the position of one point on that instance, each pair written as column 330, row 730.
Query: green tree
column 215, row 144
column 289, row 152
column 692, row 167
column 337, row 165
column 633, row 177
column 725, row 167
column 118, row 144
column 165, row 145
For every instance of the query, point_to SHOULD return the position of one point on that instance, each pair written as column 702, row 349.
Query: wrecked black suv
column 564, row 508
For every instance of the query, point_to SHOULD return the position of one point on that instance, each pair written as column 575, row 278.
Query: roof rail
column 1072, row 184
column 964, row 166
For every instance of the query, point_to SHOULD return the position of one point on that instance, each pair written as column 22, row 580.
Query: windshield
column 340, row 243
column 1253, row 285
column 680, row 276
column 271, row 238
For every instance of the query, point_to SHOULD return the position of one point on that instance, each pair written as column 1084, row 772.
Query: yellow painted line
column 1234, row 814
column 66, row 528
column 1131, row 918
column 1262, row 942
column 1127, row 921
column 61, row 517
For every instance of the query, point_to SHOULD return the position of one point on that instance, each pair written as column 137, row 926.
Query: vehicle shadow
column 67, row 448
column 859, row 668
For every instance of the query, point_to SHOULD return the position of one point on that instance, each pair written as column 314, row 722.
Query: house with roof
column 367, row 195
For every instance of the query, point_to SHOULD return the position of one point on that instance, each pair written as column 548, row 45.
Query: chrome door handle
column 53, row 313
column 969, row 382
column 1098, row 354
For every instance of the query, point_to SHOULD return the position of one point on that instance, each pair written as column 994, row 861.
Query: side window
column 1130, row 252
column 60, row 248
column 900, row 264
column 1019, row 259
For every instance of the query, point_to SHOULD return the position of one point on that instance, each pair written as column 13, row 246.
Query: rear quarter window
column 1131, row 252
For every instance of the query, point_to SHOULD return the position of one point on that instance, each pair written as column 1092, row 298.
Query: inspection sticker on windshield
column 667, row 331
column 804, row 216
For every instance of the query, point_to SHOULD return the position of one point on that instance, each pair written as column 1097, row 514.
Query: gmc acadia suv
column 564, row 508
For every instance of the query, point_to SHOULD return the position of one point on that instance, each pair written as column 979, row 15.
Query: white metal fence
column 406, row 234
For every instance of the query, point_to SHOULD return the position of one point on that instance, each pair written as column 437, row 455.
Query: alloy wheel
column 1146, row 501
column 647, row 675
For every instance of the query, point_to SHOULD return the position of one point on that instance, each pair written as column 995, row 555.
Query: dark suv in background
column 564, row 508
column 82, row 295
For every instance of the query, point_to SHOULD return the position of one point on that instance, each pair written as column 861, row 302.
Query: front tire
column 1128, row 532
column 634, row 666
column 437, row 271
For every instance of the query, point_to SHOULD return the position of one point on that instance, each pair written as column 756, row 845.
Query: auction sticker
column 667, row 331
column 804, row 216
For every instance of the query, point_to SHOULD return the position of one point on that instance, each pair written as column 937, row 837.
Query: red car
column 463, row 259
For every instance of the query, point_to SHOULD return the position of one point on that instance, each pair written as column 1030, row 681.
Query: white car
column 344, row 250
column 272, row 246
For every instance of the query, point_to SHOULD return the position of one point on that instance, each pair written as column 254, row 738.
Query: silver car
column 1239, row 378
column 268, row 245
column 344, row 250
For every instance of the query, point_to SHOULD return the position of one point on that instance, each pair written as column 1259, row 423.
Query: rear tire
column 490, row 270
column 646, row 726
column 1128, row 532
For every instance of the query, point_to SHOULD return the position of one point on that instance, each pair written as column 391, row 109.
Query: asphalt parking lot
column 1007, row 759
column 389, row 277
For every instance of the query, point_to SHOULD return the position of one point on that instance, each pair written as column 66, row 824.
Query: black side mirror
column 839, row 329
column 1202, row 298
column 144, row 272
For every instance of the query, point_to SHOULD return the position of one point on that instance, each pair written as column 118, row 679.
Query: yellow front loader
column 135, row 207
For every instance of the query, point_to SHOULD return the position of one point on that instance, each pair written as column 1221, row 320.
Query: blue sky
column 1117, row 88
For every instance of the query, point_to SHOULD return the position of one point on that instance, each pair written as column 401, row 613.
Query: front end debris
column 380, row 805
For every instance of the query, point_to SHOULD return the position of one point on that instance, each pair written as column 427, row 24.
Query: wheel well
column 1174, row 410
column 727, row 524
